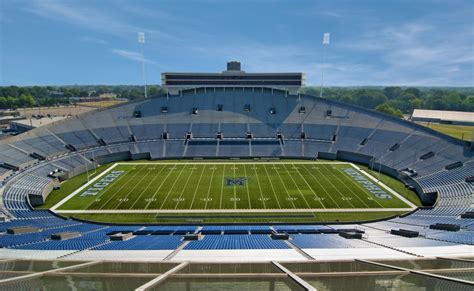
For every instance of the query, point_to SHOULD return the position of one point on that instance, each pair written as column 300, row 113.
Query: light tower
column 326, row 37
column 141, row 41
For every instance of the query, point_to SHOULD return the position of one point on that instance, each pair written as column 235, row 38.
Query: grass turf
column 183, row 186
column 463, row 132
column 309, row 217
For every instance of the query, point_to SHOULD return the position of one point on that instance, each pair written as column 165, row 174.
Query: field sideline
column 227, row 187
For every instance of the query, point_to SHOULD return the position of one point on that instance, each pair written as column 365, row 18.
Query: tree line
column 13, row 97
column 393, row 100
column 397, row 101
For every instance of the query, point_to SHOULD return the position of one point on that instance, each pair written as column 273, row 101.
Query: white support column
column 161, row 278
column 40, row 274
column 294, row 277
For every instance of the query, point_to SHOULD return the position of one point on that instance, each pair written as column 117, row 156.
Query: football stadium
column 236, row 180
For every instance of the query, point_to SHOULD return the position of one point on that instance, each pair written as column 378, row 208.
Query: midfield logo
column 235, row 181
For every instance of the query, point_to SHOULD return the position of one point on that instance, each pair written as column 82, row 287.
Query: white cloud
column 87, row 17
column 131, row 55
column 93, row 40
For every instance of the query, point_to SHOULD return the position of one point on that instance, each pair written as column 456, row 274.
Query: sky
column 373, row 42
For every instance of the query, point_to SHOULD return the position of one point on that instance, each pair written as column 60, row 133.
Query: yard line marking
column 334, row 186
column 197, row 186
column 133, row 188
column 322, row 187
column 172, row 186
column 239, row 163
column 235, row 191
column 184, row 188
column 120, row 189
column 360, row 187
column 247, row 186
column 210, row 184
column 109, row 187
column 357, row 196
column 222, row 186
column 158, row 189
column 408, row 202
column 309, row 186
column 296, row 210
column 83, row 187
column 284, row 186
column 299, row 190
column 146, row 188
column 271, row 185
column 260, row 188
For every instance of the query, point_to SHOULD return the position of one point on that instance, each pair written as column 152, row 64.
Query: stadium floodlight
column 141, row 37
column 141, row 40
column 326, row 37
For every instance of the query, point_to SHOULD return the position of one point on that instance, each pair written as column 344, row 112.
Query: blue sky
column 402, row 42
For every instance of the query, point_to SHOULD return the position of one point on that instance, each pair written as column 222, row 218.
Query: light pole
column 141, row 40
column 326, row 37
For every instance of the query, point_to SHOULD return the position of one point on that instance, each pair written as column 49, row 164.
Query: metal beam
column 294, row 277
column 419, row 273
column 161, row 278
column 40, row 274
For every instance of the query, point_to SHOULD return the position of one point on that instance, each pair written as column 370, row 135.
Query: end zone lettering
column 104, row 182
column 359, row 178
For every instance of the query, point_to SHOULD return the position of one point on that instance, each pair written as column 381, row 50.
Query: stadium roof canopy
column 455, row 117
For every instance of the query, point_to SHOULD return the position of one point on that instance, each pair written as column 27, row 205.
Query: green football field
column 227, row 186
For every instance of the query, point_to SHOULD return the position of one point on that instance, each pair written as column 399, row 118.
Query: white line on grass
column 172, row 186
column 158, row 189
column 322, row 187
column 222, row 188
column 309, row 186
column 235, row 210
column 334, row 186
column 197, row 187
column 237, row 163
column 184, row 188
column 247, row 187
column 82, row 187
column 235, row 191
column 260, row 188
column 146, row 188
column 365, row 191
column 271, row 185
column 137, row 183
column 385, row 187
column 299, row 190
column 121, row 187
column 284, row 186
column 350, row 190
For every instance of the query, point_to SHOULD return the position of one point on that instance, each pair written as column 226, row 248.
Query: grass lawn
column 458, row 131
column 309, row 217
column 232, row 186
column 171, row 190
column 101, row 104
column 69, row 186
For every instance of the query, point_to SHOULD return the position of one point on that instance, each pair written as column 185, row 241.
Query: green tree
column 453, row 101
column 26, row 101
column 406, row 102
column 4, row 103
column 386, row 108
column 154, row 90
column 468, row 104
column 414, row 91
column 392, row 92
column 369, row 98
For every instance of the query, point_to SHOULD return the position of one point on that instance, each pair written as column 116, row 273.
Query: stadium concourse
column 226, row 122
